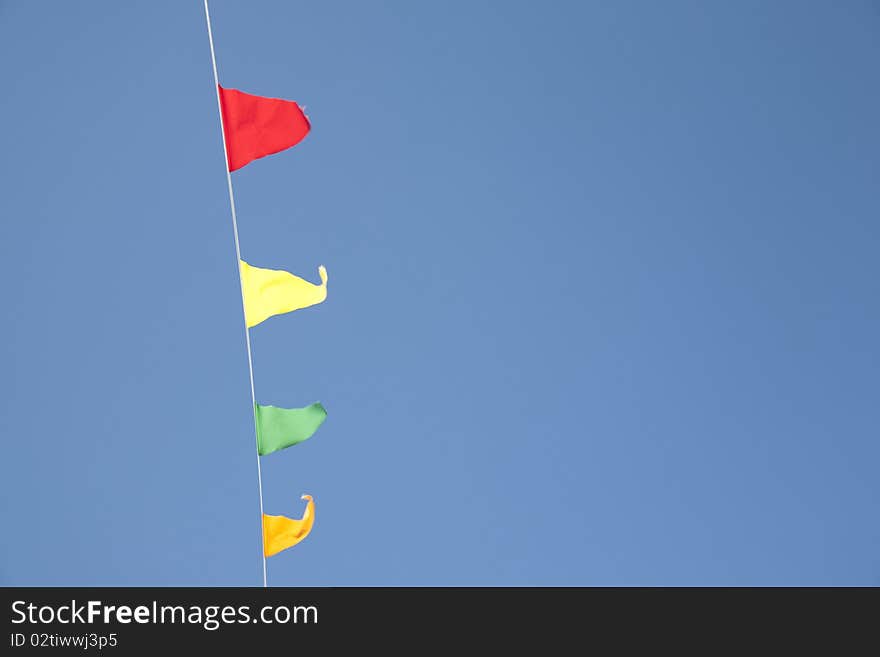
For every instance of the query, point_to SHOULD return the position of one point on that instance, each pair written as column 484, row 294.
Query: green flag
column 278, row 428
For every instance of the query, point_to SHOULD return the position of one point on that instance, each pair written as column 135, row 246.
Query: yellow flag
column 280, row 533
column 269, row 292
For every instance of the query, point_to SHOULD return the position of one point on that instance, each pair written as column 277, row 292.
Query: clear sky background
column 604, row 296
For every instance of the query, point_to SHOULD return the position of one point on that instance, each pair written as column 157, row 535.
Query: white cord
column 247, row 332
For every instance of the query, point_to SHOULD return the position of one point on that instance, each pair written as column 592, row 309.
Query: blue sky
column 603, row 305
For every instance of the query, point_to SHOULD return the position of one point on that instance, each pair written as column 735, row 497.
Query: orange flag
column 280, row 533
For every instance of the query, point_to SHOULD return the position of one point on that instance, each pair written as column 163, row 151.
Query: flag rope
column 247, row 331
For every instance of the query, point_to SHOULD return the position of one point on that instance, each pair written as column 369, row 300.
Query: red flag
column 256, row 126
